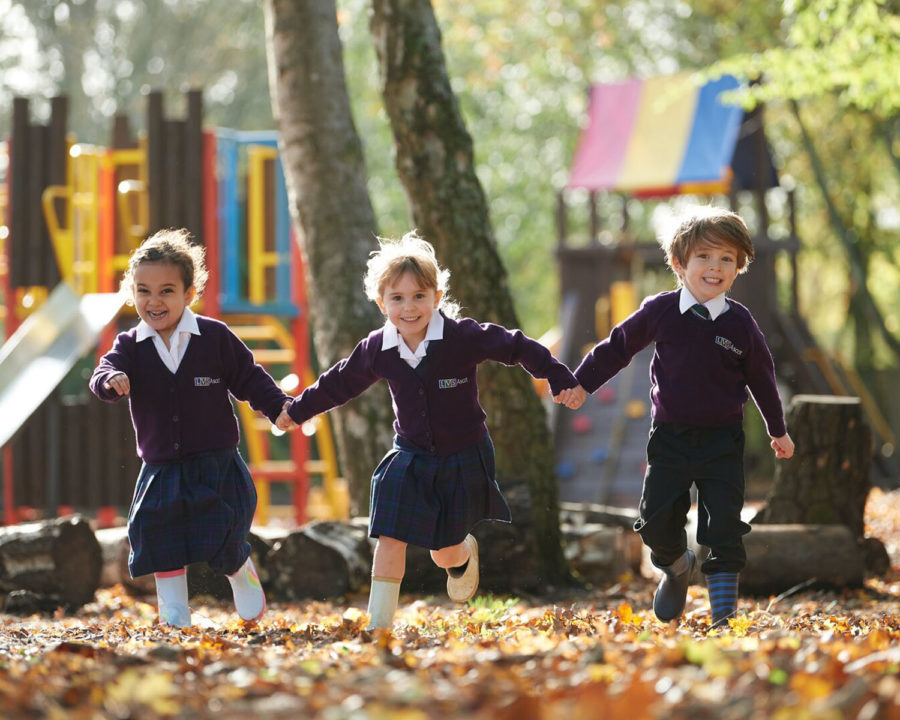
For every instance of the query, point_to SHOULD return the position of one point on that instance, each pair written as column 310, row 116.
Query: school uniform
column 194, row 499
column 700, row 375
column 437, row 481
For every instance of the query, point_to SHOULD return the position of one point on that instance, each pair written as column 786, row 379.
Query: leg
column 461, row 563
column 720, row 527
column 388, row 567
column 665, row 501
column 249, row 598
column 172, row 598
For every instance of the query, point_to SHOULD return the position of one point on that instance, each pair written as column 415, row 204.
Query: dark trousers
column 679, row 456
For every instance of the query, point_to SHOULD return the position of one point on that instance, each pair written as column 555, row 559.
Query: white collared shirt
column 181, row 336
column 716, row 305
column 392, row 338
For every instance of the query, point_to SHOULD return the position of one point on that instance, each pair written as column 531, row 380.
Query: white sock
column 249, row 598
column 383, row 598
column 172, row 598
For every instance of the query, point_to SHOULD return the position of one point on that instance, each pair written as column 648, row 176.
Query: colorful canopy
column 660, row 136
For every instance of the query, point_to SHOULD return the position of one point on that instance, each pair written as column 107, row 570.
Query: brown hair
column 410, row 254
column 713, row 225
column 174, row 247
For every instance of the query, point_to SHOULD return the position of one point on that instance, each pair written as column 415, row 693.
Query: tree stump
column 58, row 560
column 827, row 480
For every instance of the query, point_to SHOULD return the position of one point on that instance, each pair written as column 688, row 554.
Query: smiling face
column 409, row 307
column 710, row 270
column 160, row 296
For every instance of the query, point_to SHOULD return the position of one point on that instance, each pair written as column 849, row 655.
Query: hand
column 284, row 422
column 783, row 446
column 120, row 383
column 572, row 398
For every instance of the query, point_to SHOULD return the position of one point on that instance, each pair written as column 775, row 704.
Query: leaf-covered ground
column 589, row 655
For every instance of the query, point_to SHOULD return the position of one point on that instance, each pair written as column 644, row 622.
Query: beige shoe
column 463, row 583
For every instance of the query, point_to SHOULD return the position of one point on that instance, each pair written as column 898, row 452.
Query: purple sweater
column 436, row 409
column 176, row 416
column 701, row 369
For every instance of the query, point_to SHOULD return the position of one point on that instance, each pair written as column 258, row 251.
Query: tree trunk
column 827, row 480
column 331, row 212
column 434, row 158
column 59, row 560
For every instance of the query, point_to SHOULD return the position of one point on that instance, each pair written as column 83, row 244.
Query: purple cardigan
column 182, row 414
column 701, row 369
column 436, row 409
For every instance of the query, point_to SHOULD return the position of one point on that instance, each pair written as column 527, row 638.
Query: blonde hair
column 713, row 225
column 410, row 254
column 173, row 247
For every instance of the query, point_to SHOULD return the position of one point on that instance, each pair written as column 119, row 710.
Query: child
column 438, row 480
column 709, row 352
column 194, row 498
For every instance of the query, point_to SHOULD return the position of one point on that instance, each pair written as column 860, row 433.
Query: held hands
column 572, row 398
column 118, row 382
column 284, row 422
column 783, row 446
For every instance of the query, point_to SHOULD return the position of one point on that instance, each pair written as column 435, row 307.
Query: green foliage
column 841, row 47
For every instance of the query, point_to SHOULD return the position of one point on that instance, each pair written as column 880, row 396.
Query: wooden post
column 19, row 188
column 156, row 153
column 193, row 167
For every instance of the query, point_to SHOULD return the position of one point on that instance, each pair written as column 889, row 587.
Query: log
column 600, row 554
column 114, row 547
column 321, row 560
column 59, row 560
column 584, row 513
column 781, row 557
column 784, row 557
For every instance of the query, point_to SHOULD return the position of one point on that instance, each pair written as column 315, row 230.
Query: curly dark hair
column 175, row 247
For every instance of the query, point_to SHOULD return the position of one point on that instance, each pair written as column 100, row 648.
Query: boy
column 709, row 352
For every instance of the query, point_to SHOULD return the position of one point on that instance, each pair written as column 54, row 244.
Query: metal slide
column 45, row 347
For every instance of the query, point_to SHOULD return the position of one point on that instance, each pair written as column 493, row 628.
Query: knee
column 452, row 556
column 390, row 547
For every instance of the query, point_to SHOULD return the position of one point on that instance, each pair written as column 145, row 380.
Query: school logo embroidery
column 206, row 381
column 451, row 383
column 728, row 345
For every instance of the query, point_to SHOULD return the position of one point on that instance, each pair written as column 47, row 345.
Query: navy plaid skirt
column 434, row 501
column 199, row 509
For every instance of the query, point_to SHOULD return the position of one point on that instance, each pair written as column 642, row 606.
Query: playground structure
column 70, row 215
column 650, row 140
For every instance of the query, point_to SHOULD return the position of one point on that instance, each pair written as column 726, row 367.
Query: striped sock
column 723, row 595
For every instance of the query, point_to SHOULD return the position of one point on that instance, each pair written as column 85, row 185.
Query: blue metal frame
column 232, row 145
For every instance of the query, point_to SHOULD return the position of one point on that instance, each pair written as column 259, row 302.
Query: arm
column 248, row 380
column 513, row 347
column 627, row 339
column 110, row 380
column 759, row 369
column 339, row 384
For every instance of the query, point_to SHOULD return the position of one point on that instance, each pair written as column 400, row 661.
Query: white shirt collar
column 187, row 323
column 716, row 305
column 391, row 338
